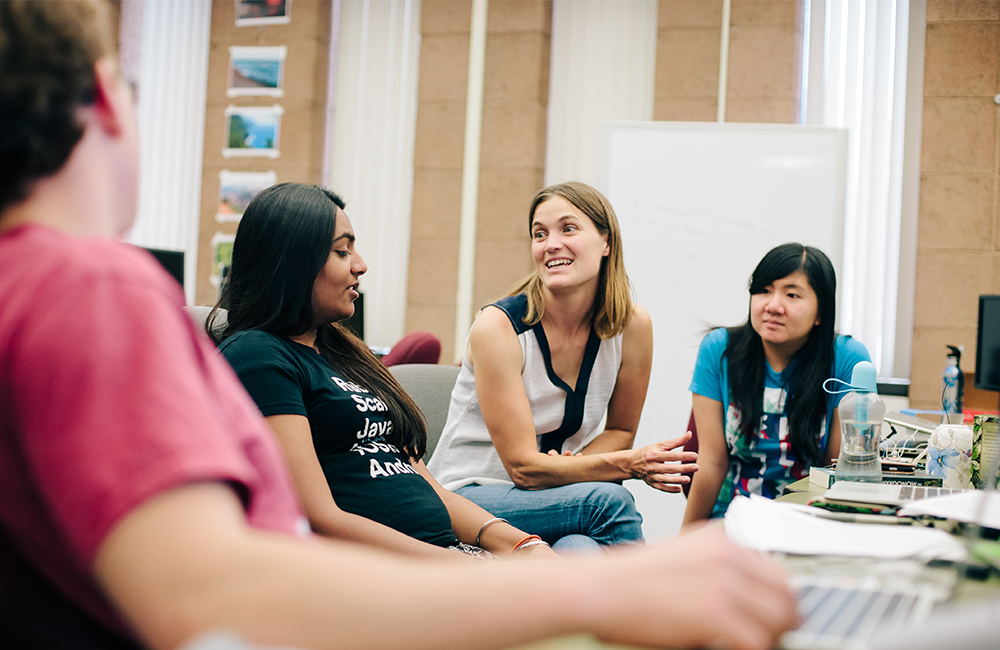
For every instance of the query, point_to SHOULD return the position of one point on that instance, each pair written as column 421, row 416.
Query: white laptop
column 839, row 616
column 841, row 612
column 862, row 617
column 912, row 423
column 884, row 493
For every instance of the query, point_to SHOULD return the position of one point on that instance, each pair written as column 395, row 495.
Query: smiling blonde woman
column 543, row 369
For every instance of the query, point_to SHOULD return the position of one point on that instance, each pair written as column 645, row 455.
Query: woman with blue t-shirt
column 760, row 411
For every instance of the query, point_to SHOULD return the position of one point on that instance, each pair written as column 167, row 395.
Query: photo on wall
column 256, row 71
column 252, row 131
column 222, row 257
column 262, row 12
column 237, row 189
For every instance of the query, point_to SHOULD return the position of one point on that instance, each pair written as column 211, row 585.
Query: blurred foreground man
column 143, row 501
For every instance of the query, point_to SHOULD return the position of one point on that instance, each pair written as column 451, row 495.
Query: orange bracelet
column 523, row 541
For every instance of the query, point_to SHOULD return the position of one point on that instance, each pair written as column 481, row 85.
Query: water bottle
column 953, row 387
column 861, row 412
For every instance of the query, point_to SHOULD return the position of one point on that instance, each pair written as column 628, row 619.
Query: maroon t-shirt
column 109, row 396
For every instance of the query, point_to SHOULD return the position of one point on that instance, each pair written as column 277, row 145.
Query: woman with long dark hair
column 352, row 436
column 761, row 414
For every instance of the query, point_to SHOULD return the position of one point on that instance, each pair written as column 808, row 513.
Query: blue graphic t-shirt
column 765, row 464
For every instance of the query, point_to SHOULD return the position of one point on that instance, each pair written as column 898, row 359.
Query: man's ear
column 112, row 100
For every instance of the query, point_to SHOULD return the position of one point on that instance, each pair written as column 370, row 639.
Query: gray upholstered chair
column 199, row 315
column 430, row 387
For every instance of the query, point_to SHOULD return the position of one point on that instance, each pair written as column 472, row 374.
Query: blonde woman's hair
column 613, row 306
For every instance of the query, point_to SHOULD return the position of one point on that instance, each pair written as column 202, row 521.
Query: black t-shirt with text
column 350, row 426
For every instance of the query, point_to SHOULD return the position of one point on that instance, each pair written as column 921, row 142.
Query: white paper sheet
column 964, row 506
column 767, row 525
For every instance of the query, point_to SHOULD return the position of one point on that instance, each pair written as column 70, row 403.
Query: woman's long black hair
column 283, row 241
column 806, row 402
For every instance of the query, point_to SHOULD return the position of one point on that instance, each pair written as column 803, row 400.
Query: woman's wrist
column 634, row 465
column 528, row 542
column 487, row 524
column 500, row 537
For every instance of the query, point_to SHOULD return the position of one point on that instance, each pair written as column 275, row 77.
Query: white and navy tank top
column 565, row 419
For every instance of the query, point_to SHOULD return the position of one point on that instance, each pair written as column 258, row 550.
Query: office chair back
column 430, row 386
column 199, row 315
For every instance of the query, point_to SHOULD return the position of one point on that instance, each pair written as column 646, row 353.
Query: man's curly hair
column 47, row 55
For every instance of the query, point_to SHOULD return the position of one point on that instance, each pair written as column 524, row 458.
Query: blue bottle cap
column 863, row 377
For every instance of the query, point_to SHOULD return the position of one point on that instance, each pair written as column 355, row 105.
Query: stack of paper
column 976, row 506
column 766, row 525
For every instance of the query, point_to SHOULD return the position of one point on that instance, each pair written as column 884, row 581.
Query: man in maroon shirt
column 142, row 500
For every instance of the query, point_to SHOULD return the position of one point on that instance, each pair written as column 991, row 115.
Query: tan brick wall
column 307, row 37
column 437, row 168
column 687, row 60
column 958, row 240
column 512, row 155
column 512, row 165
column 764, row 62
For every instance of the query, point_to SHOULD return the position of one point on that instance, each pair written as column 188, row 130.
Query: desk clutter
column 927, row 548
column 779, row 526
column 858, row 585
column 851, row 580
column 914, row 492
column 919, row 453
column 826, row 476
column 947, row 463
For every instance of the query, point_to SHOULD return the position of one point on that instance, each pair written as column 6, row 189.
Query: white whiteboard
column 699, row 206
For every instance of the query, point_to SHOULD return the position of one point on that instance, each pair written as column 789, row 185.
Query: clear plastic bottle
column 861, row 412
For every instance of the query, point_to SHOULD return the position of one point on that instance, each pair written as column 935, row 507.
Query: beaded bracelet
column 487, row 525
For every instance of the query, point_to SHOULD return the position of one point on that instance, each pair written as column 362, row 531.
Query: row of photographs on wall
column 256, row 71
column 236, row 190
column 263, row 12
column 222, row 257
column 253, row 131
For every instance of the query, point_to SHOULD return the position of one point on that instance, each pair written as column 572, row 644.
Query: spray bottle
column 953, row 389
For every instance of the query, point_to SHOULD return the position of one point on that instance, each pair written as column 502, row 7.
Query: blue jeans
column 573, row 517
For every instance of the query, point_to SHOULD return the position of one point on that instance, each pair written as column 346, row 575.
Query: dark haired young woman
column 762, row 416
column 352, row 437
